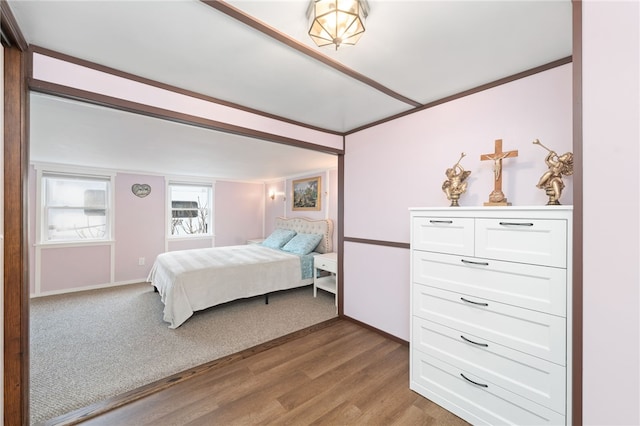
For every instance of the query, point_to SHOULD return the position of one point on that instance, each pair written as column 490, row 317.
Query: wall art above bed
column 306, row 194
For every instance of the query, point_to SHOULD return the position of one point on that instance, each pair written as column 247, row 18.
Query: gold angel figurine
column 456, row 182
column 551, row 180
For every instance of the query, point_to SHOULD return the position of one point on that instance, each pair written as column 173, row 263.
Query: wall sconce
column 272, row 195
column 337, row 21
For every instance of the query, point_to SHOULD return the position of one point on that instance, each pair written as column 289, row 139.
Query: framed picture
column 306, row 193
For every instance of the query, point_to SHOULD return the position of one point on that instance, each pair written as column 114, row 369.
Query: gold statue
column 551, row 180
column 456, row 184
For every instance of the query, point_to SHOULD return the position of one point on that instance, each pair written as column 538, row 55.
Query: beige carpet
column 88, row 346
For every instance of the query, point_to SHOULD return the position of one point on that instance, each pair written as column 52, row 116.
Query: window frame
column 44, row 171
column 201, row 183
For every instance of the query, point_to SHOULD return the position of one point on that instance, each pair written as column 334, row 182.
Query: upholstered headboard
column 303, row 225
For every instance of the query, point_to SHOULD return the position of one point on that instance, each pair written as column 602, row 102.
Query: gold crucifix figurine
column 497, row 198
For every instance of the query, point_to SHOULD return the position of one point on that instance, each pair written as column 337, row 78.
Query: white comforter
column 192, row 280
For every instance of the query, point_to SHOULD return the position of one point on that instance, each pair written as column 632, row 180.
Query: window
column 75, row 208
column 191, row 209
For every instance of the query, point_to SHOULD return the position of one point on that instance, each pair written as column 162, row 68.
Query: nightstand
column 255, row 241
column 326, row 262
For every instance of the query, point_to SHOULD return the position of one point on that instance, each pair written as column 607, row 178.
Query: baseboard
column 369, row 327
column 87, row 288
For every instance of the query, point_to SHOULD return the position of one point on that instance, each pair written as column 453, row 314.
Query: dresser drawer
column 492, row 405
column 535, row 241
column 443, row 234
column 533, row 287
column 533, row 378
column 536, row 333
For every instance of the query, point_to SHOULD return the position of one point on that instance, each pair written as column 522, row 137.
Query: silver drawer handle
column 474, row 303
column 484, row 345
column 440, row 221
column 475, row 263
column 515, row 224
column 475, row 383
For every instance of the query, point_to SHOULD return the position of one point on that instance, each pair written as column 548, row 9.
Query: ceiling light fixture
column 337, row 21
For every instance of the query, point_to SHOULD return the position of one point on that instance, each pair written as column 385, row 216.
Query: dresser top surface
column 532, row 212
column 328, row 256
column 494, row 208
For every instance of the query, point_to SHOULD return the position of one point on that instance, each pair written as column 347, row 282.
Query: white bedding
column 192, row 280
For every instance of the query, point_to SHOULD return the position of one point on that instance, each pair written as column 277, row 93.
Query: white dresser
column 491, row 312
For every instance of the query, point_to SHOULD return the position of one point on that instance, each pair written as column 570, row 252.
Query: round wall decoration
column 141, row 189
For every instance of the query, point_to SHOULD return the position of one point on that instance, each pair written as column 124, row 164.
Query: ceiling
column 413, row 53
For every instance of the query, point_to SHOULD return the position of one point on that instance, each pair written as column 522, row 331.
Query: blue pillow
column 302, row 243
column 279, row 238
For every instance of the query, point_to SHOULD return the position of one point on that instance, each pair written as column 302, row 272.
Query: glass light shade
column 337, row 22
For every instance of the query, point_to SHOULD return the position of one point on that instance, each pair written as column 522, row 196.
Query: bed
column 193, row 280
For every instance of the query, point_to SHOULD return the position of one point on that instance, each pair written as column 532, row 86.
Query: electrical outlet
column 141, row 261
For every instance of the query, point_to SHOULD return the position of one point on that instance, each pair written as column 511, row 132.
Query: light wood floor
column 342, row 374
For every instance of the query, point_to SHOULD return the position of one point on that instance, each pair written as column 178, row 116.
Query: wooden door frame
column 16, row 267
column 16, row 288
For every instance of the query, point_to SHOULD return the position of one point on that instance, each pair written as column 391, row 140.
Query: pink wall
column 69, row 267
column 276, row 207
column 139, row 225
column 139, row 232
column 401, row 164
column 193, row 243
column 239, row 212
column 377, row 286
column 282, row 205
column 611, row 134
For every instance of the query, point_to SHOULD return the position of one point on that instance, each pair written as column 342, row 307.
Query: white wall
column 611, row 131
column 401, row 164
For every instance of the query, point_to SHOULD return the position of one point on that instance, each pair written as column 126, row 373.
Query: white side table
column 255, row 241
column 326, row 262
